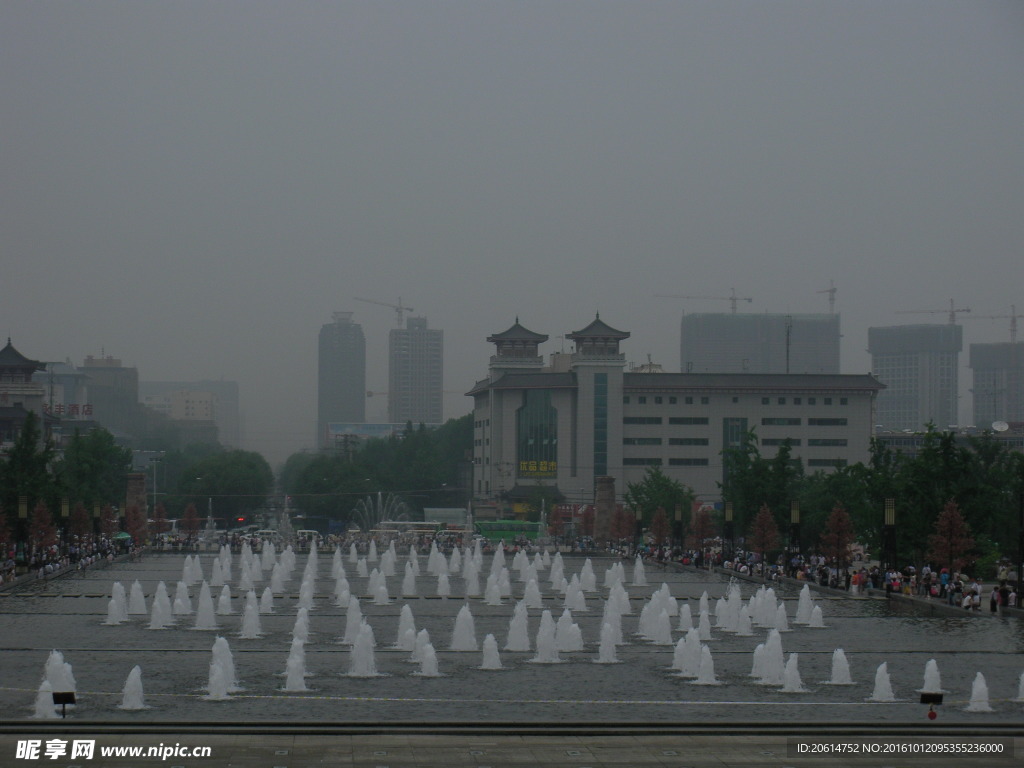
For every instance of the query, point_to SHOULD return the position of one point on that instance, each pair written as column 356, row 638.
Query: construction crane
column 733, row 299
column 1013, row 321
column 399, row 307
column 831, row 291
column 952, row 311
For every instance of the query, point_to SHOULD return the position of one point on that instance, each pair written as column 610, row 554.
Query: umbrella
column 121, row 535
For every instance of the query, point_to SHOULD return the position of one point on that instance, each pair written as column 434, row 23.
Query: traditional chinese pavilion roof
column 12, row 358
column 518, row 333
column 598, row 329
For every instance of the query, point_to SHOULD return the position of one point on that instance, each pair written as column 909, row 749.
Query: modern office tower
column 765, row 343
column 918, row 365
column 415, row 373
column 998, row 383
column 341, row 374
column 114, row 393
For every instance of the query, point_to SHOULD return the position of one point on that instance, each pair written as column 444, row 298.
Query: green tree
column 93, row 467
column 658, row 490
column 235, row 482
column 26, row 469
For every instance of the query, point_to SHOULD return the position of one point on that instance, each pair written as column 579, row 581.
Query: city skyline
column 194, row 189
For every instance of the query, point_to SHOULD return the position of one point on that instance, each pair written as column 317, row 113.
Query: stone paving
column 595, row 700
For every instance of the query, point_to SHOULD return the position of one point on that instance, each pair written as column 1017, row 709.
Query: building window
column 537, row 435
column 625, row 399
column 641, row 419
column 688, row 462
column 765, row 401
column 812, row 401
column 642, row 400
column 797, row 401
column 636, row 461
column 641, row 441
column 600, row 424
column 690, row 421
column 826, row 422
column 672, row 401
column 688, row 401
column 843, row 401
column 774, row 441
column 818, row 442
column 782, row 401
column 780, row 421
column 826, row 462
column 687, row 441
column 828, row 401
column 657, row 401
column 705, row 400
column 735, row 399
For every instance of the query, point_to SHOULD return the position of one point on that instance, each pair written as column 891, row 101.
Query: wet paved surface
column 68, row 614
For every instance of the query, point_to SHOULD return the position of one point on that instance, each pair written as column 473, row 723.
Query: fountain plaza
column 337, row 638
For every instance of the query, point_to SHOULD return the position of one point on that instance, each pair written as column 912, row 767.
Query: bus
column 509, row 530
column 393, row 529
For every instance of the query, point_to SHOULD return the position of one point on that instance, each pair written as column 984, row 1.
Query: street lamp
column 889, row 535
column 794, row 527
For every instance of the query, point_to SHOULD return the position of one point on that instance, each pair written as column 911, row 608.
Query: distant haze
column 195, row 187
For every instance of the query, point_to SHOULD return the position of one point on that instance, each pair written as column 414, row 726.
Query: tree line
column 970, row 490
column 424, row 467
column 63, row 489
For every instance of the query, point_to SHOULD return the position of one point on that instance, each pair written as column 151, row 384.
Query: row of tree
column 425, row 467
column 978, row 482
column 91, row 473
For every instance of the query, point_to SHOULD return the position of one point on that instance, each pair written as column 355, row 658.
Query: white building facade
column 584, row 416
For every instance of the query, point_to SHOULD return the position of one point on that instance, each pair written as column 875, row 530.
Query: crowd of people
column 76, row 554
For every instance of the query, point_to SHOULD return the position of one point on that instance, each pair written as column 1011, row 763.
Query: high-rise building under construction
column 759, row 343
column 918, row 365
column 341, row 374
column 415, row 373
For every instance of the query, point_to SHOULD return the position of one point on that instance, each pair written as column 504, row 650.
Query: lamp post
column 727, row 532
column 638, row 534
column 889, row 535
column 155, row 461
column 794, row 528
column 1020, row 539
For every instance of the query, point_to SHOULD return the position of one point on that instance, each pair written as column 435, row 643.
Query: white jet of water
column 362, row 662
column 791, row 682
column 606, row 648
column 428, row 663
column 251, row 628
column 706, row 673
column 205, row 618
column 979, row 695
column 464, row 634
column 44, row 708
column 840, row 669
column 295, row 668
column 131, row 694
column 547, row 648
column 518, row 637
column 883, row 686
column 491, row 658
column 136, row 600
column 267, row 601
column 932, row 678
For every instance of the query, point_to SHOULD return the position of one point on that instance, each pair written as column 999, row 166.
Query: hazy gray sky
column 195, row 186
